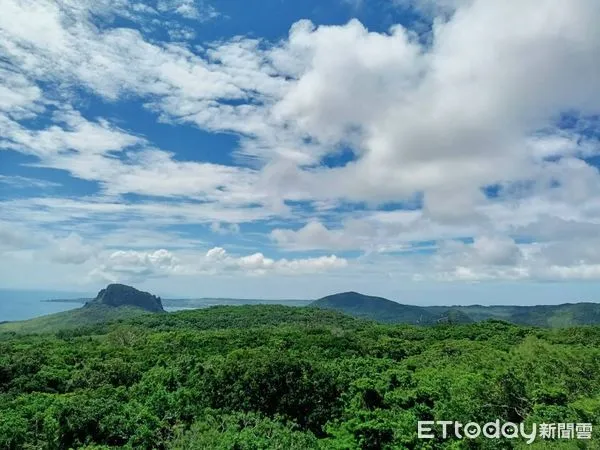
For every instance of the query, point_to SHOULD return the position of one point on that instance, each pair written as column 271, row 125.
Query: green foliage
column 243, row 431
column 275, row 377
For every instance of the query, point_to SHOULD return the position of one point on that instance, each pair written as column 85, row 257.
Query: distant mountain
column 388, row 311
column 376, row 308
column 553, row 316
column 121, row 295
column 115, row 302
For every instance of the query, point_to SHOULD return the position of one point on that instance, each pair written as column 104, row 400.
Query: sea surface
column 23, row 305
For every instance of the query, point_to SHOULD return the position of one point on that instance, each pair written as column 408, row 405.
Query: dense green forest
column 276, row 377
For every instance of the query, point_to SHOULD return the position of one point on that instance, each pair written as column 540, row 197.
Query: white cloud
column 502, row 259
column 216, row 254
column 444, row 143
column 18, row 95
column 224, row 229
column 130, row 265
column 475, row 104
column 18, row 182
column 456, row 117
column 76, row 134
column 579, row 272
column 485, row 251
column 371, row 232
column 254, row 262
column 12, row 237
column 311, row 265
column 314, row 235
column 108, row 210
column 436, row 8
column 188, row 9
column 57, row 248
column 257, row 263
column 134, row 265
column 71, row 250
column 496, row 251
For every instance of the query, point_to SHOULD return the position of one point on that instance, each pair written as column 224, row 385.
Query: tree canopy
column 276, row 377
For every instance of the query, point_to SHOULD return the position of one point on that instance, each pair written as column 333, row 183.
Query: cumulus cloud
column 257, row 263
column 496, row 258
column 300, row 88
column 131, row 265
column 452, row 118
column 135, row 265
column 216, row 254
column 314, row 235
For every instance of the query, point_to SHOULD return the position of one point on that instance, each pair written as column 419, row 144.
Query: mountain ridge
column 372, row 307
column 388, row 311
column 121, row 302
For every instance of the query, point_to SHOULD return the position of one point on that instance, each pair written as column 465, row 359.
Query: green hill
column 375, row 308
column 388, row 311
column 564, row 315
column 115, row 302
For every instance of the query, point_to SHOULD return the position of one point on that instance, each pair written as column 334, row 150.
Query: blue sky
column 431, row 151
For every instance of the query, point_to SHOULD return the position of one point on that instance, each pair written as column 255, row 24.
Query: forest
column 277, row 377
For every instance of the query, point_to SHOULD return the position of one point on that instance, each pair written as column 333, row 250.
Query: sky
column 429, row 151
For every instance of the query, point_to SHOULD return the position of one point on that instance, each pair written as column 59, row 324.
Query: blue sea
column 22, row 305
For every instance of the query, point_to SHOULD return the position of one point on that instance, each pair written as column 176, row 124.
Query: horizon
column 43, row 295
column 426, row 151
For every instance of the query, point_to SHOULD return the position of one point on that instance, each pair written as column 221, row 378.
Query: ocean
column 22, row 305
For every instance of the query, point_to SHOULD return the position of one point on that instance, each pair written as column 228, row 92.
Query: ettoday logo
column 507, row 430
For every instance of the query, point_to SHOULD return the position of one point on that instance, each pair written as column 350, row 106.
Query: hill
column 116, row 295
column 553, row 316
column 388, row 311
column 375, row 308
column 115, row 302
